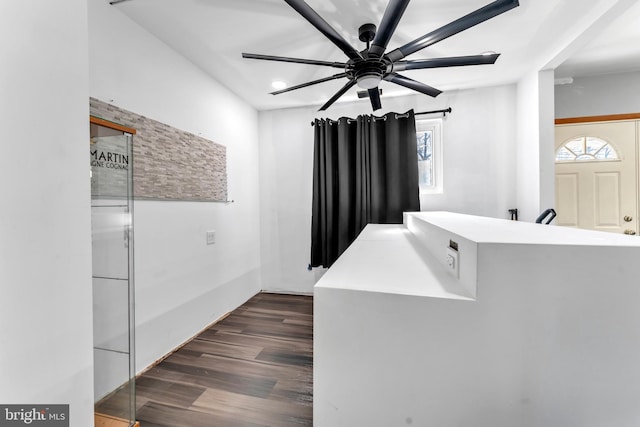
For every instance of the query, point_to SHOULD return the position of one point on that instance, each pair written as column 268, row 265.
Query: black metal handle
column 544, row 214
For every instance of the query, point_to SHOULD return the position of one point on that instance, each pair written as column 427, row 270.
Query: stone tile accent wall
column 169, row 163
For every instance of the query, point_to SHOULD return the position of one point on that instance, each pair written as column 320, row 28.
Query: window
column 429, row 138
column 586, row 148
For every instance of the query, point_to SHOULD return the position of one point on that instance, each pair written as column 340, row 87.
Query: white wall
column 547, row 139
column 479, row 175
column 45, row 243
column 528, row 175
column 181, row 283
column 286, row 164
column 599, row 95
column 535, row 145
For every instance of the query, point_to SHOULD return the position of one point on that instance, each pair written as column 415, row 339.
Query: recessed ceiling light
column 278, row 84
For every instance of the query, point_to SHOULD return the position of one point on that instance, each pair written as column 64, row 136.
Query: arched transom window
column 586, row 148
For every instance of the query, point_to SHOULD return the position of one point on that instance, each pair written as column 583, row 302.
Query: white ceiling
column 213, row 34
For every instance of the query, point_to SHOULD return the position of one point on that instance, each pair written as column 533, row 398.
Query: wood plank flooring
column 252, row 369
column 101, row 420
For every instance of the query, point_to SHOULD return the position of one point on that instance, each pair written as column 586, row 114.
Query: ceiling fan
column 368, row 67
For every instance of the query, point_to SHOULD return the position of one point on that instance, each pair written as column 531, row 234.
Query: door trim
column 111, row 125
column 606, row 118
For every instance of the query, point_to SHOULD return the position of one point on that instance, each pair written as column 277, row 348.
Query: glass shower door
column 113, row 293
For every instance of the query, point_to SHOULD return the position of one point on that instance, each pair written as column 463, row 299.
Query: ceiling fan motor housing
column 367, row 32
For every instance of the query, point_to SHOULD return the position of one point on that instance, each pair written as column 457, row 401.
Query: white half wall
column 550, row 338
column 182, row 284
column 45, row 223
column 598, row 95
column 479, row 171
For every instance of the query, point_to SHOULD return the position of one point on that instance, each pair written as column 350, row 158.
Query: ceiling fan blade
column 394, row 11
column 323, row 26
column 374, row 95
column 484, row 13
column 322, row 80
column 338, row 94
column 412, row 84
column 454, row 61
column 294, row 60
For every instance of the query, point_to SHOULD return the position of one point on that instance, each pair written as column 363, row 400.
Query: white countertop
column 491, row 230
column 386, row 258
column 390, row 259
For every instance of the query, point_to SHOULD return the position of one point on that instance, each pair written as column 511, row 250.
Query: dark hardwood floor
column 252, row 369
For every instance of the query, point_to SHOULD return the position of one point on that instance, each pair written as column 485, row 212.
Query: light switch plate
column 211, row 237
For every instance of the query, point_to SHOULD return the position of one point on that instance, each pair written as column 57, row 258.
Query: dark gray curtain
column 365, row 171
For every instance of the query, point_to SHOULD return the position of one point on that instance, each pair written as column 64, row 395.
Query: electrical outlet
column 211, row 237
column 453, row 262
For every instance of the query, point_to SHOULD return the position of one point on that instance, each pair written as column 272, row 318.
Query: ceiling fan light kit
column 368, row 81
column 367, row 68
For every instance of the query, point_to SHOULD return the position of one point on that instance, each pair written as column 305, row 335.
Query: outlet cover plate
column 452, row 262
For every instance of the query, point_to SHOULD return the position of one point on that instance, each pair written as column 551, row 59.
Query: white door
column 596, row 180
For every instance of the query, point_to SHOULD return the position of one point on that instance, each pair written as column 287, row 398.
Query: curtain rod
column 444, row 113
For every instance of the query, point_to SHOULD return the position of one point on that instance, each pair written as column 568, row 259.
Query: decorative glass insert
column 586, row 148
column 429, row 142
